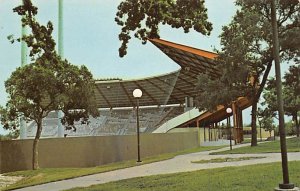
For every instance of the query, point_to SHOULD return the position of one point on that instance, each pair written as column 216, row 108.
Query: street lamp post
column 284, row 160
column 137, row 93
column 229, row 110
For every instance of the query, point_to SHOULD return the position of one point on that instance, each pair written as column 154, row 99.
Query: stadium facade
column 167, row 100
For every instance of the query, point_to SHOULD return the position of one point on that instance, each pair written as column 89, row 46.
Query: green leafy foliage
column 246, row 55
column 266, row 119
column 268, row 124
column 40, row 40
column 269, row 95
column 48, row 83
column 290, row 128
column 291, row 94
column 233, row 83
column 143, row 18
column 247, row 47
column 43, row 86
column 9, row 119
column 292, row 91
column 11, row 135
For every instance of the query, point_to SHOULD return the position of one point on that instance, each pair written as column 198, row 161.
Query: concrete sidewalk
column 181, row 163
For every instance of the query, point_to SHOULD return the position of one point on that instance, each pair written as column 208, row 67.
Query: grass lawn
column 247, row 178
column 293, row 145
column 35, row 177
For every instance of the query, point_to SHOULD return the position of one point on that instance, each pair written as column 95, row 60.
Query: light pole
column 284, row 159
column 137, row 93
column 229, row 110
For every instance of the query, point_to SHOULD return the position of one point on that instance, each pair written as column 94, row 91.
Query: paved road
column 180, row 163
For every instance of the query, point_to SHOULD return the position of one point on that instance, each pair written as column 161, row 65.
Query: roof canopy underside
column 171, row 88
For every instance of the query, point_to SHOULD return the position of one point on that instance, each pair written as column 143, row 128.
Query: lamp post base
column 287, row 187
column 293, row 189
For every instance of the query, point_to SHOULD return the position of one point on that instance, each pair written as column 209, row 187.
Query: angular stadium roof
column 170, row 88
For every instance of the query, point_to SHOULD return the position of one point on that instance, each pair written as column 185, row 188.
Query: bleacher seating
column 111, row 122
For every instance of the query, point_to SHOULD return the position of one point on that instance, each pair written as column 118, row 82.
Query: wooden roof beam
column 126, row 92
column 196, row 51
column 190, row 83
column 146, row 92
column 163, row 91
column 175, row 87
column 101, row 93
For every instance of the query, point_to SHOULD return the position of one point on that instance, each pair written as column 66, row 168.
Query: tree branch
column 264, row 80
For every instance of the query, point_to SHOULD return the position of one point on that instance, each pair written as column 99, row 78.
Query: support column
column 209, row 132
column 204, row 133
column 234, row 116
column 217, row 131
column 199, row 132
column 240, row 117
column 189, row 103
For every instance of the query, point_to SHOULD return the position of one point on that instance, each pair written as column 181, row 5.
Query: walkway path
column 180, row 163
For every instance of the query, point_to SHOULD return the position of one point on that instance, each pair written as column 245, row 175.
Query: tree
column 247, row 45
column 11, row 135
column 268, row 124
column 143, row 18
column 290, row 128
column 212, row 92
column 269, row 95
column 291, row 95
column 265, row 119
column 48, row 83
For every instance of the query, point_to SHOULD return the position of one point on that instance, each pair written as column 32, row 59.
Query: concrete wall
column 264, row 134
column 0, row 156
column 90, row 151
column 200, row 132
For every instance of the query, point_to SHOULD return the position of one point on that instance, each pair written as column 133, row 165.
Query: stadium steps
column 179, row 120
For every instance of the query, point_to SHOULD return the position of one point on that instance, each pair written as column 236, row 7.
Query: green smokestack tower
column 23, row 126
column 61, row 130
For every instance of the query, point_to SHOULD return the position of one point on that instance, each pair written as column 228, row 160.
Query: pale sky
column 91, row 38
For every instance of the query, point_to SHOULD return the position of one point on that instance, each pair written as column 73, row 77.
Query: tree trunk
column 256, row 99
column 35, row 151
column 253, row 125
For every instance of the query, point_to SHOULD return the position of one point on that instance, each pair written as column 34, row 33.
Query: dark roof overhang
column 166, row 89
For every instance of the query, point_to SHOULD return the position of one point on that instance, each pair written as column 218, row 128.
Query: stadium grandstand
column 167, row 100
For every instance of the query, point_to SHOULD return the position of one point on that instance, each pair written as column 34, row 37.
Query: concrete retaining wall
column 90, row 151
column 1, row 156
